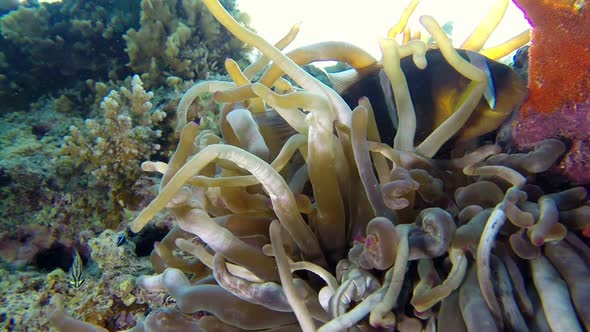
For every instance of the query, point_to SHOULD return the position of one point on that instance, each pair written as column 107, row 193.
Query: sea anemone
column 322, row 226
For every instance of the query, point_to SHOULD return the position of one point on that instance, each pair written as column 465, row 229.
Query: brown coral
column 111, row 146
column 178, row 38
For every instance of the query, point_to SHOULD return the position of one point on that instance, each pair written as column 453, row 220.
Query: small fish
column 121, row 239
column 77, row 271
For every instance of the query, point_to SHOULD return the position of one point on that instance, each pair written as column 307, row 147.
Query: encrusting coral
column 559, row 25
column 373, row 231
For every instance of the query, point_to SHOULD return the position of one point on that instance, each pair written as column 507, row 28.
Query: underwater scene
column 173, row 165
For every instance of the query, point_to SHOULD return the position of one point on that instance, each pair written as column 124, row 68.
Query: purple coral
column 571, row 123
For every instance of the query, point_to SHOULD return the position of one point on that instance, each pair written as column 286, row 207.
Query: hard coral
column 47, row 47
column 111, row 146
column 107, row 297
column 178, row 38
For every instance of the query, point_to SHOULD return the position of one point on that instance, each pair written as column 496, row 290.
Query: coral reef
column 107, row 297
column 51, row 46
column 44, row 180
column 179, row 38
column 32, row 243
column 314, row 220
column 33, row 195
column 559, row 82
column 111, row 146
column 24, row 296
column 27, row 146
column 55, row 188
column 71, row 143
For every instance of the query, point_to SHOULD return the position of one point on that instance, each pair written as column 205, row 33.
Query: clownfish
column 436, row 91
